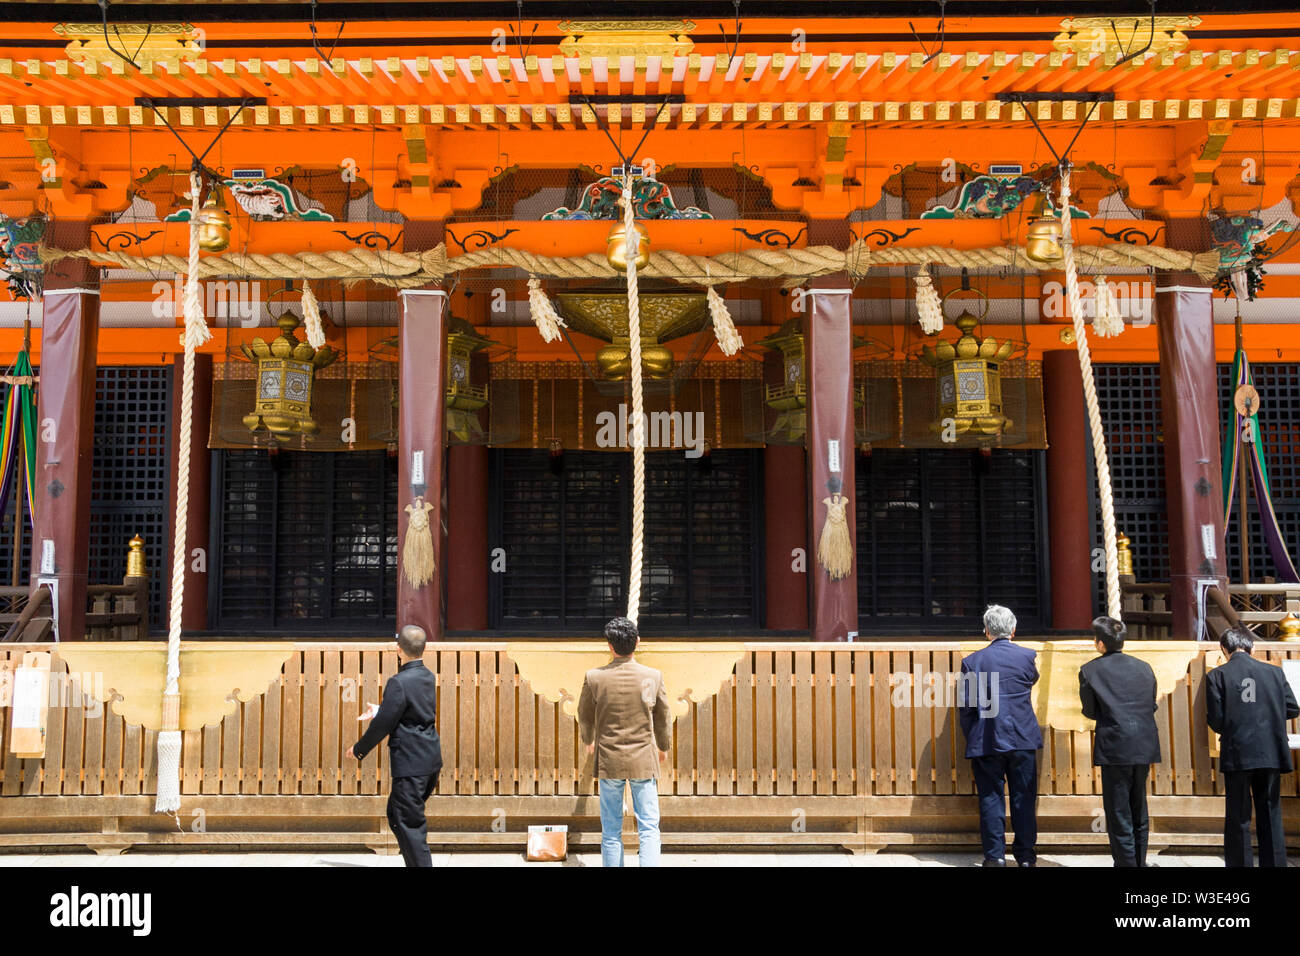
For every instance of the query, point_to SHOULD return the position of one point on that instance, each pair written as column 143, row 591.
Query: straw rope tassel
column 1104, row 495
column 724, row 330
column 1106, row 320
column 834, row 546
column 196, row 333
column 545, row 317
column 638, row 409
column 929, row 309
column 417, row 551
column 311, row 317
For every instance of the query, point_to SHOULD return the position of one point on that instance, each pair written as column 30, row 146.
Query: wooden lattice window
column 942, row 534
column 565, row 538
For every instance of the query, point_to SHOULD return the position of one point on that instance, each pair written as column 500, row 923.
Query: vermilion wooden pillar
column 65, row 428
column 785, row 489
column 1069, row 525
column 829, row 349
column 1189, row 400
column 194, row 612
column 422, row 365
column 467, row 538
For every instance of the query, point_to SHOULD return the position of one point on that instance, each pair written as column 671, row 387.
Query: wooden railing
column 803, row 744
column 114, row 612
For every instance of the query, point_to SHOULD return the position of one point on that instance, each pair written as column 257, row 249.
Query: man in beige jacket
column 622, row 715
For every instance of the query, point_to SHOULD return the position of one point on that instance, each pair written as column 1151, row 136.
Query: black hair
column 411, row 640
column 1237, row 639
column 622, row 636
column 1110, row 632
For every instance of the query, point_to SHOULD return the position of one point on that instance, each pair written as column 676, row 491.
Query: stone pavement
column 583, row 858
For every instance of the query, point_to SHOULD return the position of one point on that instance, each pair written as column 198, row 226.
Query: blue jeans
column 645, row 804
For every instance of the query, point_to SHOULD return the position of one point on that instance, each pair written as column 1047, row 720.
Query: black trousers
column 1263, row 788
column 406, row 816
column 1124, row 798
column 1019, row 770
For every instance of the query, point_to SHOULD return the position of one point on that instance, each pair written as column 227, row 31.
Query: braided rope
column 1100, row 458
column 196, row 333
column 408, row 270
column 638, row 407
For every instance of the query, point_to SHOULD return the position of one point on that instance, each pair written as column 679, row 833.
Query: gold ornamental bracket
column 664, row 38
column 216, row 676
column 144, row 43
column 1056, row 695
column 692, row 671
column 1120, row 36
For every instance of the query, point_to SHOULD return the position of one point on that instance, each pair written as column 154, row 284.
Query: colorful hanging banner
column 18, row 436
column 1246, row 440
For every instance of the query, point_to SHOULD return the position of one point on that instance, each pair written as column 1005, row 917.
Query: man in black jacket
column 1118, row 691
column 406, row 718
column 1248, row 702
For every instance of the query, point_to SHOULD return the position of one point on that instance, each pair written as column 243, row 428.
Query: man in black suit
column 1118, row 691
column 995, row 706
column 406, row 718
column 1248, row 702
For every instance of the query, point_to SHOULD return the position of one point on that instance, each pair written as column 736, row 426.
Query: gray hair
column 999, row 621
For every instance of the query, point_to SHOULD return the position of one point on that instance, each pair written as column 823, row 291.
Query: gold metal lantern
column 286, row 369
column 464, row 398
column 969, row 382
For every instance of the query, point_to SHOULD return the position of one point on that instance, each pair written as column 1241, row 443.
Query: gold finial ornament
column 1043, row 238
column 1123, row 556
column 1290, row 627
column 616, row 246
column 135, row 567
column 214, row 223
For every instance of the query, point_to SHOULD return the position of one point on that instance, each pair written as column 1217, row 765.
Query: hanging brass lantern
column 790, row 399
column 616, row 246
column 285, row 371
column 969, row 383
column 464, row 399
column 214, row 223
column 1043, row 238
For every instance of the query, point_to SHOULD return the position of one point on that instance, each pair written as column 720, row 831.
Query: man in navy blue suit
column 1002, row 737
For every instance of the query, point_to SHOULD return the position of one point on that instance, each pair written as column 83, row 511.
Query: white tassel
column 928, row 307
column 311, row 317
column 729, row 340
column 545, row 317
column 1106, row 320
column 169, row 772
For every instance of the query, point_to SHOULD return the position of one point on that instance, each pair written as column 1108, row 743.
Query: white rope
column 638, row 406
column 1100, row 458
column 196, row 333
column 1106, row 320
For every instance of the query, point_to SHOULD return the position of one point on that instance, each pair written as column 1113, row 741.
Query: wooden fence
column 804, row 744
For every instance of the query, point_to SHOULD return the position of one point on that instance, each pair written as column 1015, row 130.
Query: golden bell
column 1043, row 240
column 214, row 225
column 1289, row 627
column 617, row 243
